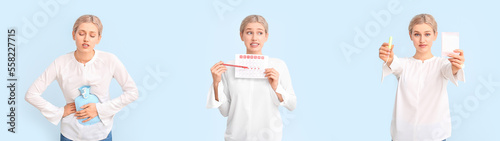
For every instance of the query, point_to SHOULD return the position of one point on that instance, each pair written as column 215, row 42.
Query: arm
column 395, row 68
column 392, row 63
column 453, row 70
column 34, row 96
column 108, row 109
column 281, row 87
column 221, row 100
column 218, row 93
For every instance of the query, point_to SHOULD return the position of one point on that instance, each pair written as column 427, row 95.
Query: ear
column 435, row 35
column 267, row 36
column 241, row 36
column 99, row 40
column 409, row 33
column 73, row 34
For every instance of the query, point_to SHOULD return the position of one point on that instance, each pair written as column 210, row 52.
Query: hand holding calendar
column 273, row 77
column 450, row 48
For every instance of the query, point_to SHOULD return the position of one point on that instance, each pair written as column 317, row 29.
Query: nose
column 86, row 38
column 254, row 38
column 421, row 40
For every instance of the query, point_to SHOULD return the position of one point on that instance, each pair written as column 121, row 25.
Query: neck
column 258, row 53
column 84, row 57
column 423, row 56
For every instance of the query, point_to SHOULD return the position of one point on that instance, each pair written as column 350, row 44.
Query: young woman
column 84, row 66
column 421, row 110
column 251, row 105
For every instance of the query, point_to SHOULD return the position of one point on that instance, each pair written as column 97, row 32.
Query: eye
column 427, row 34
column 417, row 34
column 249, row 33
column 93, row 36
column 81, row 34
column 260, row 33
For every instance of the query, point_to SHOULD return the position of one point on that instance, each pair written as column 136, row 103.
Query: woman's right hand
column 386, row 54
column 69, row 109
column 217, row 71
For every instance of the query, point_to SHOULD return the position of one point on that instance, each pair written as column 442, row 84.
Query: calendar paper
column 449, row 42
column 256, row 64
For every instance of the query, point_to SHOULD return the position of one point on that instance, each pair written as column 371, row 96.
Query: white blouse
column 421, row 109
column 71, row 75
column 251, row 105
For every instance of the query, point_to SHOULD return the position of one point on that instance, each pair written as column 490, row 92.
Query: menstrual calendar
column 449, row 42
column 256, row 64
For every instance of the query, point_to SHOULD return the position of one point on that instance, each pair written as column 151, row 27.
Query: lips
column 422, row 46
column 84, row 45
column 254, row 44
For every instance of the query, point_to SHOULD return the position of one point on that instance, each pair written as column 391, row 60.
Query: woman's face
column 422, row 36
column 86, row 37
column 254, row 36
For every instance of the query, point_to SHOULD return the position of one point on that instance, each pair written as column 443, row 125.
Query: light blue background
column 337, row 99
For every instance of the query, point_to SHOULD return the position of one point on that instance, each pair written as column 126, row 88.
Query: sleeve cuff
column 387, row 70
column 274, row 96
column 211, row 102
column 100, row 112
column 460, row 76
column 57, row 117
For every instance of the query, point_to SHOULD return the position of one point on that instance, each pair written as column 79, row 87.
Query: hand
column 273, row 77
column 386, row 54
column 217, row 71
column 457, row 61
column 89, row 111
column 69, row 109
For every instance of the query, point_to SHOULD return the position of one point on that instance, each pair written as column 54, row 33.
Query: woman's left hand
column 89, row 111
column 273, row 77
column 457, row 61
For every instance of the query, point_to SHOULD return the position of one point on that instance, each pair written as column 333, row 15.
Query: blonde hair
column 423, row 18
column 88, row 19
column 252, row 19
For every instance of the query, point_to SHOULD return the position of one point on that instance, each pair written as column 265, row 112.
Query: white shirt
column 71, row 75
column 251, row 105
column 421, row 109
